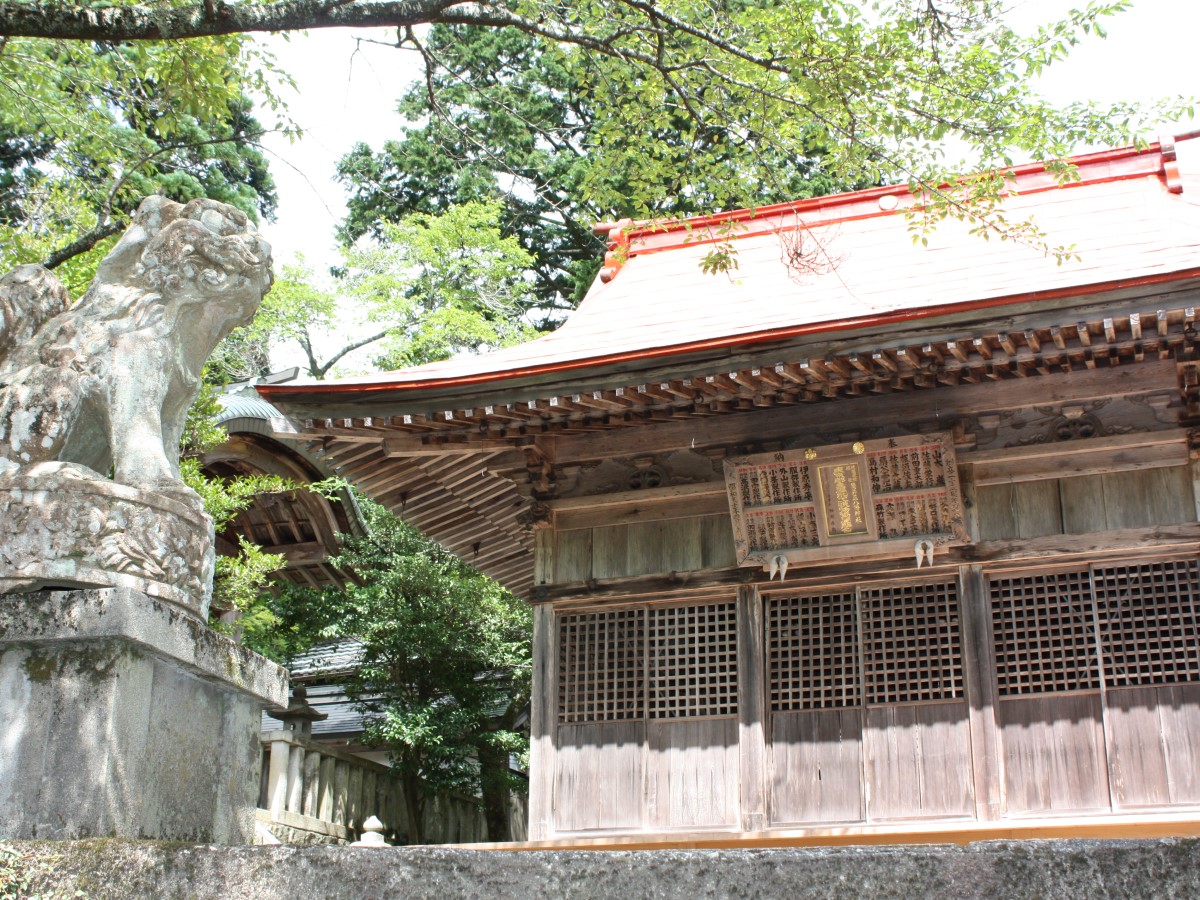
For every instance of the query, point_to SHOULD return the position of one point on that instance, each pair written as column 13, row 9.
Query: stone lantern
column 298, row 718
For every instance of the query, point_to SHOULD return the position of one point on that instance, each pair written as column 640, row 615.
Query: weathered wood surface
column 1086, row 505
column 1181, row 537
column 773, row 424
column 1054, row 755
column 543, row 706
column 677, row 545
column 918, row 761
column 979, row 668
column 817, row 767
column 600, row 776
column 692, row 774
column 1154, row 735
column 1069, row 459
column 752, row 712
column 650, row 504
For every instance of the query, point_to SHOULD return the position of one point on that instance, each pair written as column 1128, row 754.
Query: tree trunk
column 414, row 804
column 494, row 785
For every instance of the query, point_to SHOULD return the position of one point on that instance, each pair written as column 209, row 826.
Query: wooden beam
column 1053, row 549
column 1066, row 459
column 307, row 553
column 402, row 445
column 785, row 422
column 648, row 504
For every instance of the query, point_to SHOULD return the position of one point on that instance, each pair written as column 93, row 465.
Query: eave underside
column 474, row 470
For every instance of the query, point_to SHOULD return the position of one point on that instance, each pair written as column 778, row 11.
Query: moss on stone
column 40, row 667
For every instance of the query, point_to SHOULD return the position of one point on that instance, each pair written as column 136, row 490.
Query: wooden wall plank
column 1125, row 500
column 1137, row 757
column 1086, row 504
column 1083, row 505
column 995, row 513
column 716, row 542
column 681, row 549
column 599, row 779
column 1149, row 497
column 692, row 773
column 1155, row 750
column 1179, row 715
column 1169, row 493
column 1038, row 508
column 1054, row 756
column 816, row 767
column 918, row 761
column 610, row 552
column 646, row 542
column 1024, row 509
column 573, row 556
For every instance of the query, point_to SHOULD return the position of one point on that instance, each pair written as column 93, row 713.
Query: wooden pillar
column 325, row 790
column 979, row 667
column 752, row 713
column 543, row 716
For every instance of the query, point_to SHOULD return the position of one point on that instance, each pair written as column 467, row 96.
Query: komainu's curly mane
column 108, row 381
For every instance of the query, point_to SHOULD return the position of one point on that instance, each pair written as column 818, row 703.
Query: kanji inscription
column 844, row 500
column 842, row 493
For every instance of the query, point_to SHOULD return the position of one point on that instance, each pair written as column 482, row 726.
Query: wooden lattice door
column 867, row 703
column 647, row 717
column 1098, row 680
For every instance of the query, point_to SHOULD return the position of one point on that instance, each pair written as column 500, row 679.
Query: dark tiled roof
column 330, row 660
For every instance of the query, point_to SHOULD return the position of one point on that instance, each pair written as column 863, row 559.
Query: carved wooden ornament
column 871, row 498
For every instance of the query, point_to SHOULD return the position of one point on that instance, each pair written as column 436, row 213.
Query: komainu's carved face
column 196, row 252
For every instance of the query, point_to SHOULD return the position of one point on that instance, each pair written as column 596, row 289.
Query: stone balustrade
column 313, row 793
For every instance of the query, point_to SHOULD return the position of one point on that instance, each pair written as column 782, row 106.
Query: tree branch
column 207, row 18
column 83, row 243
column 320, row 371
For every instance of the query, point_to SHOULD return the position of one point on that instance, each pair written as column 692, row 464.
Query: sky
column 348, row 83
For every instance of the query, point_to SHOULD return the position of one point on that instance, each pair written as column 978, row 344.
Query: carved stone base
column 124, row 717
column 62, row 526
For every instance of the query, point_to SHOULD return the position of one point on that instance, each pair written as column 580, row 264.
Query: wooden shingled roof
column 831, row 300
column 302, row 526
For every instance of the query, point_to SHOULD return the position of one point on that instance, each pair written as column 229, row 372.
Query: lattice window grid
column 812, row 652
column 601, row 674
column 1044, row 632
column 692, row 662
column 1149, row 616
column 911, row 644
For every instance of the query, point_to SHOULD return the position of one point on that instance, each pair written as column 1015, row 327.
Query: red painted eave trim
column 282, row 391
column 648, row 229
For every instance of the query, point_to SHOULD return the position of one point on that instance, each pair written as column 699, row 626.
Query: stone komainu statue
column 104, row 386
column 108, row 382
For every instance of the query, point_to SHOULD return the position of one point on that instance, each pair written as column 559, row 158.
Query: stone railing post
column 277, row 773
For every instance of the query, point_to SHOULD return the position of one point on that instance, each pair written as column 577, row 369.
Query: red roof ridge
column 628, row 238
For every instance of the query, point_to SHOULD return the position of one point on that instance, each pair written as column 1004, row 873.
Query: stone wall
column 136, row 870
column 120, row 715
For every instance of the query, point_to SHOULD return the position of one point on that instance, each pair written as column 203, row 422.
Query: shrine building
column 861, row 540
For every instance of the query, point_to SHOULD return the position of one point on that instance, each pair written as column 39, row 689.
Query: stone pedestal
column 121, row 715
column 62, row 526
